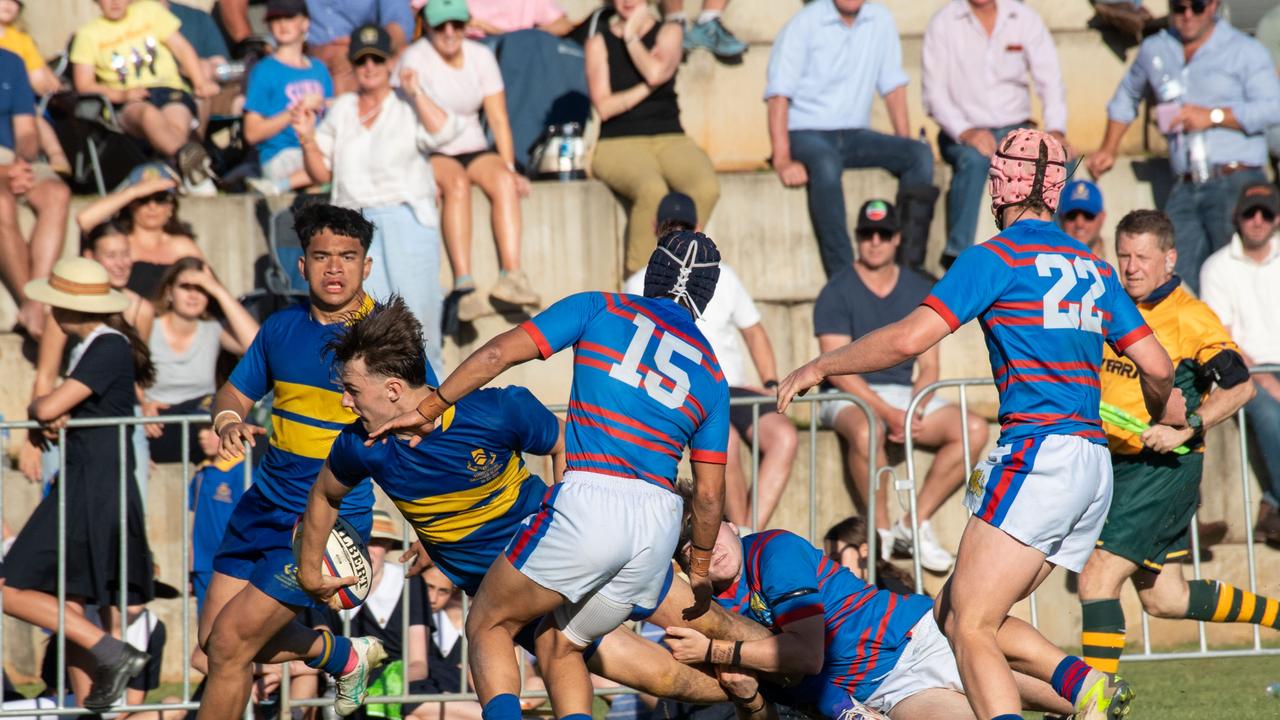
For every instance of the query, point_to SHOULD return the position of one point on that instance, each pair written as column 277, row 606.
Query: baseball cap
column 877, row 215
column 1080, row 195
column 286, row 8
column 384, row 527
column 1259, row 195
column 678, row 207
column 369, row 40
column 439, row 12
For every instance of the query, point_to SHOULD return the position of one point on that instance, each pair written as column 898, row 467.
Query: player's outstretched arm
column 798, row 649
column 1155, row 375
column 884, row 348
column 321, row 513
column 482, row 366
column 708, row 511
column 228, row 411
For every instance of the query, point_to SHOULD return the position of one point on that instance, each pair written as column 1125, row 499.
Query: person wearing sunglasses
column 1217, row 93
column 872, row 292
column 1241, row 283
column 374, row 146
column 1081, row 214
column 463, row 76
column 333, row 27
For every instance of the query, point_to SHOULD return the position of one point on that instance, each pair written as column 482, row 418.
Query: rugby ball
column 344, row 556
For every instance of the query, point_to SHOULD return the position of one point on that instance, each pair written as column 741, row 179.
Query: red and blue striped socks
column 1069, row 677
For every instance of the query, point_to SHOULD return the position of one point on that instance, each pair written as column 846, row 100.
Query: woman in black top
column 643, row 152
column 100, row 384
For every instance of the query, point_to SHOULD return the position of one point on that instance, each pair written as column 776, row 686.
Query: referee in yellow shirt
column 1157, row 490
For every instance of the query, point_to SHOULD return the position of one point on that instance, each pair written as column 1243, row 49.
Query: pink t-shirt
column 461, row 91
column 512, row 15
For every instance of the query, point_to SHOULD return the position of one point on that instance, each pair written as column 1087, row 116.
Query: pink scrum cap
column 1028, row 164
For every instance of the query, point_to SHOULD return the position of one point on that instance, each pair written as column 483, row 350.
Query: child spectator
column 132, row 55
column 185, row 342
column 463, row 76
column 108, row 362
column 214, row 491
column 146, row 207
column 277, row 84
column 43, row 81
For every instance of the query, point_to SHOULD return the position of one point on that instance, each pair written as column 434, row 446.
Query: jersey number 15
column 1072, row 315
column 628, row 371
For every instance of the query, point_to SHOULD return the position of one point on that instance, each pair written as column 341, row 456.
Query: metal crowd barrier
column 1147, row 654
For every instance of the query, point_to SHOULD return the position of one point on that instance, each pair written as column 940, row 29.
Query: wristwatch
column 1217, row 116
column 1196, row 423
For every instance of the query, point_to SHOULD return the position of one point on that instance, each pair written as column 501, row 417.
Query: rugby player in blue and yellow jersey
column 253, row 598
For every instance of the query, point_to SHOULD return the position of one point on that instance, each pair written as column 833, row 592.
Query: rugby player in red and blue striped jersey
column 1046, row 305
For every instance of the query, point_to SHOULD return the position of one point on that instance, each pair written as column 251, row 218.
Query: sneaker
column 353, row 687
column 886, row 543
column 194, row 164
column 204, row 188
column 1267, row 527
column 109, row 681
column 1103, row 697
column 514, row 289
column 713, row 36
column 262, row 186
column 932, row 557
column 473, row 305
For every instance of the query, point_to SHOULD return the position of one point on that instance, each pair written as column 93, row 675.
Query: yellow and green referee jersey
column 288, row 357
column 1192, row 335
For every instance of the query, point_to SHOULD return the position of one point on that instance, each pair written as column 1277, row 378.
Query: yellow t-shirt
column 130, row 53
column 21, row 44
column 1192, row 335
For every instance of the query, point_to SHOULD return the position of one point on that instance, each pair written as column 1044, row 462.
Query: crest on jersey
column 760, row 609
column 222, row 493
column 483, row 465
column 877, row 210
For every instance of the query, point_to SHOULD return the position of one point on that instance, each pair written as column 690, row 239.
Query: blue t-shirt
column 16, row 96
column 846, row 306
column 274, row 86
column 646, row 384
column 212, row 495
column 1046, row 305
column 785, row 579
column 464, row 488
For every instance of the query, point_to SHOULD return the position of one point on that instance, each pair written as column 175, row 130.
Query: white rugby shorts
column 601, row 534
column 1050, row 492
column 926, row 663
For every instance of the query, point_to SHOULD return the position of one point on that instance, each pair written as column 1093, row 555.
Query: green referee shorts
column 1152, row 506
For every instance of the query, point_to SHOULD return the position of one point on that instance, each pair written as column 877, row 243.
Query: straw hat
column 385, row 528
column 78, row 284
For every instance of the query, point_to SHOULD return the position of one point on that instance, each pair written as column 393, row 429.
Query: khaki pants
column 643, row 169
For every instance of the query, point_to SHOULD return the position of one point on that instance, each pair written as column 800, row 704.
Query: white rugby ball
column 344, row 556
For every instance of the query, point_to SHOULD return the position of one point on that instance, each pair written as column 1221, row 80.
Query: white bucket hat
column 78, row 284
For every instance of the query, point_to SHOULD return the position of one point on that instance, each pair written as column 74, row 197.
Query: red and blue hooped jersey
column 1046, row 305
column 785, row 579
column 646, row 384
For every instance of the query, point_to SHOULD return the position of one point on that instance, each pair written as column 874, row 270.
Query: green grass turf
column 1234, row 688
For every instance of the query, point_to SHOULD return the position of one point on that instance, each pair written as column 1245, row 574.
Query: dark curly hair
column 311, row 220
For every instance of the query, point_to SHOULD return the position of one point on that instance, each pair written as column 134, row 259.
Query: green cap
column 439, row 12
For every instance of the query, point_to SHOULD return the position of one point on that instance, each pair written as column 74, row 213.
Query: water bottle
column 1198, row 156
column 1273, row 691
column 229, row 71
column 564, row 163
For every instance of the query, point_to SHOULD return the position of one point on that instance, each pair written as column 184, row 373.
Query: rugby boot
column 353, row 687
column 109, row 680
column 1103, row 697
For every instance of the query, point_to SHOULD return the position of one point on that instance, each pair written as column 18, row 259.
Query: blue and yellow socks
column 1103, row 636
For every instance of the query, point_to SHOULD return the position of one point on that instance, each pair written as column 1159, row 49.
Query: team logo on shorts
column 760, row 610
column 975, row 481
column 288, row 577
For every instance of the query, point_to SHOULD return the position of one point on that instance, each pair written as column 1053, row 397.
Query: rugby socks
column 336, row 655
column 1103, row 636
column 1069, row 677
column 577, row 716
column 107, row 651
column 1214, row 601
column 502, row 707
column 1007, row 716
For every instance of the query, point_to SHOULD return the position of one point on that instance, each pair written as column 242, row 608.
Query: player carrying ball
column 1039, row 500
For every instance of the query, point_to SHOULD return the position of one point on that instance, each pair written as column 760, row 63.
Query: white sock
column 707, row 16
column 677, row 16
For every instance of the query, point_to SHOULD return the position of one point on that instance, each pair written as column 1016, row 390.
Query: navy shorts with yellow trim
column 258, row 547
column 1152, row 507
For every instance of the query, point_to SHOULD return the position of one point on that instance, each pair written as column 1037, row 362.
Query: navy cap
column 369, row 40
column 678, row 207
column 286, row 8
column 1080, row 195
column 1259, row 195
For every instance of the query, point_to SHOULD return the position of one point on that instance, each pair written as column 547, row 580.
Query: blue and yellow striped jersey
column 465, row 488
column 288, row 357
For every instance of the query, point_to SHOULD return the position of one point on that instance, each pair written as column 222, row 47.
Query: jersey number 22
column 628, row 371
column 1071, row 316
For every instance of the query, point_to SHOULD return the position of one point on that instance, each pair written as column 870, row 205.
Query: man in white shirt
column 977, row 54
column 1241, row 283
column 731, row 313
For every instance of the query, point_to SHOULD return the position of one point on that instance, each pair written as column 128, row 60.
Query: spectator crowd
column 401, row 108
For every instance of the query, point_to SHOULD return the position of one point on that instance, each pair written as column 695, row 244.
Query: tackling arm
column 317, row 522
